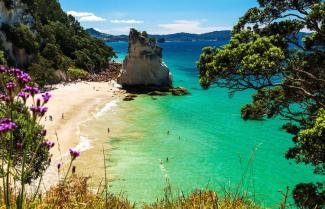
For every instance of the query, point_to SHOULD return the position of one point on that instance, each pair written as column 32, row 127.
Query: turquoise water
column 208, row 144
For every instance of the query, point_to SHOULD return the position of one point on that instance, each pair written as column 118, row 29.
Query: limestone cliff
column 143, row 66
column 15, row 14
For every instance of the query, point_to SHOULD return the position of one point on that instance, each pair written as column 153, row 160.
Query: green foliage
column 266, row 54
column 57, row 42
column 29, row 134
column 311, row 144
column 145, row 34
column 22, row 37
column 42, row 71
column 77, row 73
column 2, row 58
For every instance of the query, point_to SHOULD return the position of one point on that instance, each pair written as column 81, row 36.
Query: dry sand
column 78, row 102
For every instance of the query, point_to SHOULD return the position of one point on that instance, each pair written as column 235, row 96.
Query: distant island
column 211, row 36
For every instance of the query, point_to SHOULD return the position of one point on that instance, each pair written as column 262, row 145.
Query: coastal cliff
column 143, row 67
column 13, row 13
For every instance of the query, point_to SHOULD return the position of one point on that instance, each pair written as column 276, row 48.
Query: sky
column 157, row 16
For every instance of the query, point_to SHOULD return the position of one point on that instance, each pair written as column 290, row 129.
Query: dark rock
column 179, row 91
column 157, row 93
column 129, row 97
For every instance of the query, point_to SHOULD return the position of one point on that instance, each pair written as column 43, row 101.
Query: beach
column 72, row 105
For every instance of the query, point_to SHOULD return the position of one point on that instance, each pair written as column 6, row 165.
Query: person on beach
column 62, row 116
column 50, row 118
column 108, row 130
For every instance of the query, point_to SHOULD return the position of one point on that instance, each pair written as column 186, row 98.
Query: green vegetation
column 55, row 41
column 77, row 73
column 266, row 54
column 2, row 58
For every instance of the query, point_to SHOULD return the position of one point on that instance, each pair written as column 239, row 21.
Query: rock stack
column 143, row 67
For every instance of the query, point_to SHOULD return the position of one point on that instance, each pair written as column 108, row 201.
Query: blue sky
column 157, row 17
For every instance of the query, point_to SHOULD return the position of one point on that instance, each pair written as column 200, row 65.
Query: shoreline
column 71, row 106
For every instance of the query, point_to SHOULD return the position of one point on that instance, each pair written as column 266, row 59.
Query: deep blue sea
column 208, row 145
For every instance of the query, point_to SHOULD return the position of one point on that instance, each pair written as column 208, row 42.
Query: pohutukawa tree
column 268, row 53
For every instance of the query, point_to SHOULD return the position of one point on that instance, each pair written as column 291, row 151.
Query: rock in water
column 179, row 91
column 143, row 67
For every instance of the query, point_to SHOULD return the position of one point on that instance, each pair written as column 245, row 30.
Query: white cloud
column 188, row 26
column 86, row 16
column 116, row 21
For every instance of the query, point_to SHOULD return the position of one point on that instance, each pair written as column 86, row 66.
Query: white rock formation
column 143, row 66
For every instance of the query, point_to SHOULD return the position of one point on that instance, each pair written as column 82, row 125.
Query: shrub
column 42, row 71
column 22, row 37
column 77, row 73
column 2, row 58
column 24, row 151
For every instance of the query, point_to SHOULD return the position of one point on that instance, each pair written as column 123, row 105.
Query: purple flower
column 31, row 89
column 15, row 71
column 24, row 77
column 6, row 125
column 38, row 110
column 49, row 144
column 74, row 153
column 2, row 69
column 4, row 98
column 46, row 97
column 10, row 85
column 19, row 146
column 23, row 95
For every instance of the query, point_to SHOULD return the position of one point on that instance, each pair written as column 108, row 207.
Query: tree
column 53, row 41
column 268, row 54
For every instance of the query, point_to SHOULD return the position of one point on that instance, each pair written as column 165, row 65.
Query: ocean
column 207, row 143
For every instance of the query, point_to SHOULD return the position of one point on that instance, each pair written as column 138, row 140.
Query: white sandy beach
column 78, row 102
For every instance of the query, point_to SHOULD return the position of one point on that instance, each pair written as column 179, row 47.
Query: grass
column 77, row 194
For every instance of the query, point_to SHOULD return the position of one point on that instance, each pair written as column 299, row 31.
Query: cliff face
column 143, row 66
column 16, row 14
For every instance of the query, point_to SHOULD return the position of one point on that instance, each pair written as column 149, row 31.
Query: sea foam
column 84, row 144
column 106, row 108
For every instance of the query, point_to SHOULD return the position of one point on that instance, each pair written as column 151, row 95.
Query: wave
column 84, row 144
column 106, row 108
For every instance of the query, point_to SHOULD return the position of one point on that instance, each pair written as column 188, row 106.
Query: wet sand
column 70, row 106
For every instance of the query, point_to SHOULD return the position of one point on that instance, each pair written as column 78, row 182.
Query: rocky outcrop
column 143, row 67
column 179, row 91
column 16, row 13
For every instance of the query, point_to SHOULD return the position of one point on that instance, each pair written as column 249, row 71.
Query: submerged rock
column 157, row 93
column 179, row 91
column 129, row 97
column 143, row 67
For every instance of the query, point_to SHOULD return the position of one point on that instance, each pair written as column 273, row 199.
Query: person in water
column 168, row 132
